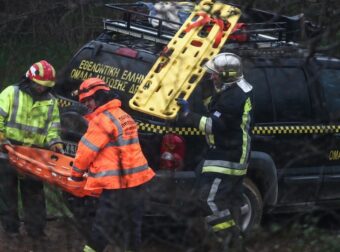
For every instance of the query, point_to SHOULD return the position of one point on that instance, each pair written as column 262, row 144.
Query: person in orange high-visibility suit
column 110, row 155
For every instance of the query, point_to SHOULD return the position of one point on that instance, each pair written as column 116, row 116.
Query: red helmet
column 42, row 73
column 90, row 86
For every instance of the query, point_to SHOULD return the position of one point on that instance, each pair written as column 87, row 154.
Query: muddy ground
column 278, row 233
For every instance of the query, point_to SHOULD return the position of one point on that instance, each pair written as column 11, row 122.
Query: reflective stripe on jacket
column 110, row 151
column 27, row 121
column 227, row 131
column 241, row 140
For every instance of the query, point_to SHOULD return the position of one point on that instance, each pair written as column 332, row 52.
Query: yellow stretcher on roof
column 178, row 70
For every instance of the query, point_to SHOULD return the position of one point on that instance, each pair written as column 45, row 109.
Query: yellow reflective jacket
column 27, row 121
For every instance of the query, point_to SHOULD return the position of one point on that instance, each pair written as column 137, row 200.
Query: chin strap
column 224, row 86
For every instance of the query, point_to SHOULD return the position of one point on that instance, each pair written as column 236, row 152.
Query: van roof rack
column 135, row 22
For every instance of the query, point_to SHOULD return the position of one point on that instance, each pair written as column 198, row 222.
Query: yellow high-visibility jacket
column 27, row 121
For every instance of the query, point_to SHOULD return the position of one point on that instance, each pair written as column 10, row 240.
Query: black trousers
column 118, row 219
column 33, row 201
column 220, row 197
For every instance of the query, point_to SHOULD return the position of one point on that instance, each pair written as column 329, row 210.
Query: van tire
column 252, row 209
column 73, row 124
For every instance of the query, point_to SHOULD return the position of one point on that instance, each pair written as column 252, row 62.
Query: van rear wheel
column 252, row 207
column 73, row 124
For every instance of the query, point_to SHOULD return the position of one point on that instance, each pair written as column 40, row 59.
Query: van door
column 290, row 137
column 329, row 77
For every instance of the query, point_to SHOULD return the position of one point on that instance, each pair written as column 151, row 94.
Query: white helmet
column 227, row 65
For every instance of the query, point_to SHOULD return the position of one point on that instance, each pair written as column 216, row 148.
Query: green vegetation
column 294, row 232
column 15, row 61
column 50, row 30
column 53, row 30
column 55, row 203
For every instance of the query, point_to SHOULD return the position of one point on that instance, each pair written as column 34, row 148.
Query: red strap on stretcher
column 207, row 19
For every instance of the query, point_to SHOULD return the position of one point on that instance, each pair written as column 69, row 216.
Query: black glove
column 184, row 105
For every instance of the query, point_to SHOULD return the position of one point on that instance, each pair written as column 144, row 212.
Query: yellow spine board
column 177, row 72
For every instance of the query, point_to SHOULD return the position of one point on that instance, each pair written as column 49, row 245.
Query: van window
column 330, row 81
column 262, row 101
column 290, row 94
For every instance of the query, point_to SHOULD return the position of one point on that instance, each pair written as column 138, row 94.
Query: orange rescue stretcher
column 48, row 166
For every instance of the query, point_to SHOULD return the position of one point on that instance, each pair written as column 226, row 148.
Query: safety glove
column 57, row 147
column 184, row 107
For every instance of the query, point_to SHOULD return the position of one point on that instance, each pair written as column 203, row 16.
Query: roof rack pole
column 259, row 32
column 280, row 36
column 128, row 19
column 285, row 34
column 160, row 24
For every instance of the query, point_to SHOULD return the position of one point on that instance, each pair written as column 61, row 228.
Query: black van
column 295, row 158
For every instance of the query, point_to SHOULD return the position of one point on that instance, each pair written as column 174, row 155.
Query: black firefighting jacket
column 227, row 129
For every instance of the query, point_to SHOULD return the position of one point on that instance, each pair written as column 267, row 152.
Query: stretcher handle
column 10, row 149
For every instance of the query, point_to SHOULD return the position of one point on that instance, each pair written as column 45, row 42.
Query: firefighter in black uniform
column 227, row 131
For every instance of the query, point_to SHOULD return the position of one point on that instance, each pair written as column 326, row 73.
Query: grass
column 314, row 232
column 55, row 205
